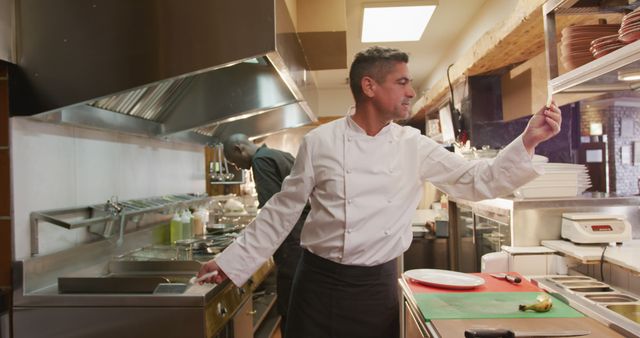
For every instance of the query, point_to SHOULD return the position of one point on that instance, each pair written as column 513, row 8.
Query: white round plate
column 444, row 278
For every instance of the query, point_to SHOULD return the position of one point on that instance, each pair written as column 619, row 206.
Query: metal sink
column 587, row 289
column 611, row 298
column 582, row 284
column 630, row 311
column 133, row 277
column 110, row 284
column 571, row 278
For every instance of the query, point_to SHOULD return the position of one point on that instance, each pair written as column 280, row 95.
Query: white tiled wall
column 56, row 166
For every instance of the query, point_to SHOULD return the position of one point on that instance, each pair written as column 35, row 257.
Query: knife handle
column 488, row 333
column 513, row 279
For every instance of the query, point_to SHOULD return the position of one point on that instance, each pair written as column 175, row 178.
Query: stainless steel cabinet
column 492, row 231
column 411, row 327
column 243, row 321
column 476, row 231
column 462, row 245
column 426, row 252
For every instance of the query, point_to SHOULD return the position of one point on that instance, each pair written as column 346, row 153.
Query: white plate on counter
column 444, row 278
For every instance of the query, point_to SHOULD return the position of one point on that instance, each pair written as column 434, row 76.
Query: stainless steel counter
column 596, row 300
column 191, row 311
column 534, row 220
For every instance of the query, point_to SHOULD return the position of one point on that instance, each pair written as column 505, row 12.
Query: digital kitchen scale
column 591, row 228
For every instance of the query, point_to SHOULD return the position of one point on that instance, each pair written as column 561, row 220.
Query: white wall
column 56, row 166
column 334, row 101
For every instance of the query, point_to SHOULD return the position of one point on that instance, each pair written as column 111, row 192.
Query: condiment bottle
column 175, row 228
column 186, row 224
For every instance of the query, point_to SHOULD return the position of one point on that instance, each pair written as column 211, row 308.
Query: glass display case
column 476, row 231
column 462, row 246
column 490, row 235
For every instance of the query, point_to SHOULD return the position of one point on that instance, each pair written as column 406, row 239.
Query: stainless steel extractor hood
column 191, row 70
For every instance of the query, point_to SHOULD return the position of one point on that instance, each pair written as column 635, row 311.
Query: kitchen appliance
column 138, row 289
column 594, row 228
column 504, row 333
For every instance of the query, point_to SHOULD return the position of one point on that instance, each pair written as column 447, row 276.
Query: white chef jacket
column 364, row 191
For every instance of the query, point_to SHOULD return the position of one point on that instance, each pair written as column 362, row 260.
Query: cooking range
column 101, row 290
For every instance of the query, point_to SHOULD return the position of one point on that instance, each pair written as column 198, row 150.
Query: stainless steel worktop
column 534, row 220
column 595, row 299
column 62, row 291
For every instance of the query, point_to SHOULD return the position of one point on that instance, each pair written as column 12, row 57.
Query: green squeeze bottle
column 175, row 227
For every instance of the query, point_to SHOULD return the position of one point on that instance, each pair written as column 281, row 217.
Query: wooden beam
column 516, row 40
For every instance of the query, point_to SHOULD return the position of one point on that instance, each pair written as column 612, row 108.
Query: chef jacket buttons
column 390, row 170
column 348, row 171
column 349, row 139
column 386, row 232
column 349, row 201
column 348, row 231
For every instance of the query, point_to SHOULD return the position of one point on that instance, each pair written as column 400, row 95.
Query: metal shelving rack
column 101, row 217
column 599, row 75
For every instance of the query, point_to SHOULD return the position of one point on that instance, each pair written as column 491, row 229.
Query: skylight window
column 397, row 23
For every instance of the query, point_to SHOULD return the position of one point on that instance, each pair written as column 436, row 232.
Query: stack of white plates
column 559, row 180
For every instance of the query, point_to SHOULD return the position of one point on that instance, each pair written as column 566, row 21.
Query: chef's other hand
column 211, row 266
column 542, row 126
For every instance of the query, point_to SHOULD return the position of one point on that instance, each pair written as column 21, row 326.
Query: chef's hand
column 211, row 266
column 542, row 126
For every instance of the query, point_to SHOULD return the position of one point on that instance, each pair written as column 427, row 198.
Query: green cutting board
column 482, row 305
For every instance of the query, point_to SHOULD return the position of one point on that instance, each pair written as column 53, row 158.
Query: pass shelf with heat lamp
column 608, row 73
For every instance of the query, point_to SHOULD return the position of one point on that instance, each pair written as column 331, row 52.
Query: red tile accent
column 4, row 105
column 5, row 183
column 5, row 253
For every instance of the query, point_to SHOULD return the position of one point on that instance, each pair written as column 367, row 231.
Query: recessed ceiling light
column 382, row 23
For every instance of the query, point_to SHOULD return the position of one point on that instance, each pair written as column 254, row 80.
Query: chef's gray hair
column 375, row 62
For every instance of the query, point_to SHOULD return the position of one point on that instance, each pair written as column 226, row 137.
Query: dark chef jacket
column 270, row 167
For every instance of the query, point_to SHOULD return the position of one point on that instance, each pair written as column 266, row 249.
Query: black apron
column 332, row 300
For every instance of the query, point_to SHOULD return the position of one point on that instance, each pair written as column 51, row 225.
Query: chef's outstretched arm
column 542, row 126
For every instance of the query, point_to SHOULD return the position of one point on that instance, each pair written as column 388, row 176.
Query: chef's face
column 393, row 95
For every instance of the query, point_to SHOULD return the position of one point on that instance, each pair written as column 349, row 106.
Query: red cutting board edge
column 491, row 284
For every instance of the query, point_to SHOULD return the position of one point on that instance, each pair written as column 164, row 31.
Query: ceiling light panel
column 395, row 23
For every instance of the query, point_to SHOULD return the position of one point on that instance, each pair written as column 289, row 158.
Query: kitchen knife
column 510, row 278
column 505, row 333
